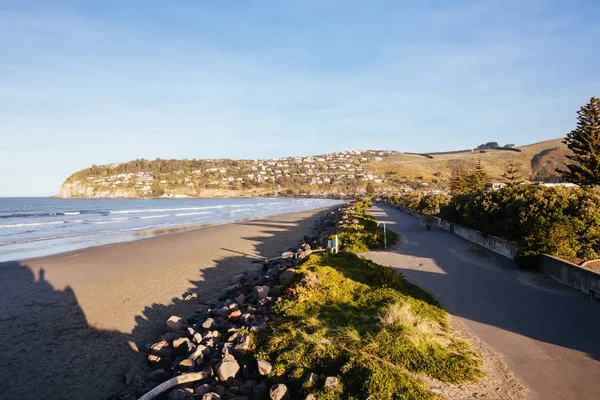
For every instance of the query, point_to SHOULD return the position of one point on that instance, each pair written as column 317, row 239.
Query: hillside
column 333, row 174
column 536, row 162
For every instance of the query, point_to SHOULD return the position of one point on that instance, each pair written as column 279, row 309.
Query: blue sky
column 93, row 82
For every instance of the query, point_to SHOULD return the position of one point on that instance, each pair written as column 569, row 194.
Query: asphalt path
column 546, row 333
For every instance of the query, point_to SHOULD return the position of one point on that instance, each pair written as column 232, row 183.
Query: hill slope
column 335, row 174
column 536, row 162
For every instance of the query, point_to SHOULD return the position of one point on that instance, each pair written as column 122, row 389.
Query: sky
column 95, row 82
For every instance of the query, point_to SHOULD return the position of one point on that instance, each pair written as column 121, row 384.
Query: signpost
column 333, row 244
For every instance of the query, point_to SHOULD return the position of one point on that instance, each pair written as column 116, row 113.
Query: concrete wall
column 570, row 274
column 493, row 243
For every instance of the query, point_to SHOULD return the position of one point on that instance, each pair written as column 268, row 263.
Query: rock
column 245, row 319
column 236, row 336
column 187, row 365
column 243, row 346
column 275, row 291
column 220, row 390
column 310, row 397
column 211, row 396
column 199, row 353
column 201, row 390
column 156, row 361
column 175, row 323
column 227, row 368
column 312, row 379
column 136, row 376
column 248, row 387
column 191, row 297
column 260, row 391
column 197, row 338
column 260, row 292
column 235, row 315
column 182, row 345
column 179, row 394
column 305, row 247
column 279, row 392
column 287, row 254
column 240, row 299
column 228, row 348
column 264, row 367
column 161, row 349
column 209, row 323
column 331, row 382
column 158, row 376
column 287, row 276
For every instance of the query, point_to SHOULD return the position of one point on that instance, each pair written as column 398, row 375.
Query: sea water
column 34, row 227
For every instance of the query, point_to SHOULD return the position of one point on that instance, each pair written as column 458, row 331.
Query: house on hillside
column 495, row 186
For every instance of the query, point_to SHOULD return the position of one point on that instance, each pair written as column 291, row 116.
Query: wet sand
column 70, row 323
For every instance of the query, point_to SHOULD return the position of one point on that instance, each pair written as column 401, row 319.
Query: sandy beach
column 70, row 324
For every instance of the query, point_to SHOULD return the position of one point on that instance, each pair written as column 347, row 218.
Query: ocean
column 34, row 227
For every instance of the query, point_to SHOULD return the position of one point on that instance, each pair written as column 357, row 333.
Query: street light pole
column 384, row 234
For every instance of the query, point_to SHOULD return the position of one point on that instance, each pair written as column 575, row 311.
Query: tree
column 512, row 176
column 458, row 181
column 469, row 180
column 370, row 189
column 478, row 179
column 584, row 142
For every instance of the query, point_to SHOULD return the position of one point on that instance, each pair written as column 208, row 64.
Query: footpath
column 546, row 333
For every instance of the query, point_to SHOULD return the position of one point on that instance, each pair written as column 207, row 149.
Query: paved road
column 548, row 334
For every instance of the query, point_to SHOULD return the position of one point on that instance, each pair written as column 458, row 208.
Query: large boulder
column 161, row 349
column 264, row 367
column 260, row 292
column 287, row 276
column 279, row 392
column 331, row 382
column 227, row 368
column 175, row 323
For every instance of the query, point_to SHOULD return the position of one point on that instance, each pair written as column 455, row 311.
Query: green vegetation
column 512, row 176
column 584, row 142
column 348, row 317
column 430, row 204
column 557, row 221
column 469, row 180
column 364, row 235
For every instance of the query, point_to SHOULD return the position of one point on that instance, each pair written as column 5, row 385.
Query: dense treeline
column 558, row 221
column 430, row 204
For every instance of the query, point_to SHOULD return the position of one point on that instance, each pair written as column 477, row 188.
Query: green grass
column 365, row 235
column 367, row 325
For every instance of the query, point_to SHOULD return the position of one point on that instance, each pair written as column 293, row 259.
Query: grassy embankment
column 363, row 323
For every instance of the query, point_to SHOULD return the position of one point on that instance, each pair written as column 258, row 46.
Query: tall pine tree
column 458, row 181
column 584, row 142
column 512, row 176
column 478, row 179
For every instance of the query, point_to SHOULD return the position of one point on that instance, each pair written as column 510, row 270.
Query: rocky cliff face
column 81, row 189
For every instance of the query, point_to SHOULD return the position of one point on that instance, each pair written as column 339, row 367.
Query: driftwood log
column 178, row 380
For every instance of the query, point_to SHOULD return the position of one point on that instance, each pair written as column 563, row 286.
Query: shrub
column 558, row 221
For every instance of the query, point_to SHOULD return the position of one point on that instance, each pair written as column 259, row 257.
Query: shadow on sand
column 50, row 350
